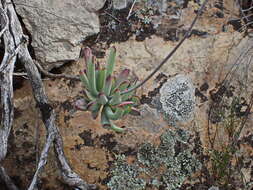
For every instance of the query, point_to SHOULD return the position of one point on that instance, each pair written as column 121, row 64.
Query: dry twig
column 131, row 9
column 50, row 75
column 13, row 40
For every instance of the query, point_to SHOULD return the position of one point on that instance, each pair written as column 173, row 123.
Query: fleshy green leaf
column 114, row 115
column 116, row 98
column 124, row 85
column 108, row 85
column 127, row 96
column 87, row 55
column 102, row 99
column 93, row 106
column 95, row 114
column 91, row 73
column 111, row 62
column 89, row 95
column 116, row 128
column 101, row 79
column 127, row 110
column 106, row 123
column 136, row 100
column 84, row 80
column 104, row 119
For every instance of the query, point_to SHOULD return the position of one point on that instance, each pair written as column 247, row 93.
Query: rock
column 166, row 165
column 177, row 98
column 57, row 27
column 120, row 4
column 213, row 188
column 150, row 148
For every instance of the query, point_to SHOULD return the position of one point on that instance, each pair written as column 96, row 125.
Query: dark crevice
column 236, row 23
column 199, row 94
column 204, row 87
column 17, row 80
column 248, row 15
column 147, row 99
column 219, row 5
column 2, row 50
column 87, row 138
column 61, row 68
column 107, row 142
column 46, row 110
column 26, row 32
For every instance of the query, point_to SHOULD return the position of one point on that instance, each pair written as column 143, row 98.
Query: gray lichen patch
column 125, row 176
column 165, row 166
column 177, row 98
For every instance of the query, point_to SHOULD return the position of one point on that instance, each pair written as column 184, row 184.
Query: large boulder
column 57, row 27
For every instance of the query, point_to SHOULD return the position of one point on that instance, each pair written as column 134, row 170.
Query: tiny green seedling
column 104, row 93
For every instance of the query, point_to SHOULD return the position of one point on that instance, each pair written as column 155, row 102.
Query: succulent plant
column 104, row 93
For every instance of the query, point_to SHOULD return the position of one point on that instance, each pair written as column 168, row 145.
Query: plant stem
column 171, row 53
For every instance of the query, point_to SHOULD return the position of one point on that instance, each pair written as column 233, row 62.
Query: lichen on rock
column 165, row 166
column 177, row 99
column 125, row 176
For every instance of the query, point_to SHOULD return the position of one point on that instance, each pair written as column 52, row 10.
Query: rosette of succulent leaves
column 104, row 93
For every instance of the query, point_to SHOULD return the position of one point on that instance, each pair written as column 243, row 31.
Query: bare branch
column 131, row 9
column 6, row 71
column 6, row 21
column 13, row 41
column 50, row 75
column 42, row 160
column 48, row 117
column 4, row 176
column 112, row 16
column 70, row 177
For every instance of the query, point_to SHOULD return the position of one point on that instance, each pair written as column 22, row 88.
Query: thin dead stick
column 42, row 160
column 6, row 88
column 10, row 54
column 242, row 12
column 6, row 70
column 4, row 176
column 112, row 16
column 48, row 117
column 37, row 137
column 187, row 34
column 245, row 10
column 131, row 9
column 50, row 75
column 6, row 20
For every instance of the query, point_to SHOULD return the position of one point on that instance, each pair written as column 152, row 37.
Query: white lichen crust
column 177, row 98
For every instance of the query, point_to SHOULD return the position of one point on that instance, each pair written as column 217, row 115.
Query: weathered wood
column 7, row 179
column 14, row 39
column 6, row 89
